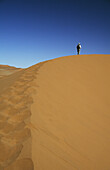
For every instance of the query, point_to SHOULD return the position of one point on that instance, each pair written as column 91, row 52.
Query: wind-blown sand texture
column 56, row 115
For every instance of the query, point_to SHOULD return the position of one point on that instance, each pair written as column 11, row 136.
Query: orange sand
column 55, row 115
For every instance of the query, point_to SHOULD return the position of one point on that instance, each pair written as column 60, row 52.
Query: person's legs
column 78, row 51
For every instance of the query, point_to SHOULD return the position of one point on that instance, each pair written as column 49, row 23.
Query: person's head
column 79, row 43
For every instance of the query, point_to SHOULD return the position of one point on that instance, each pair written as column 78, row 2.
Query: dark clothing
column 78, row 48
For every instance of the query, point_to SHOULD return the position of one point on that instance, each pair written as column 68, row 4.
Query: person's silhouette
column 78, row 48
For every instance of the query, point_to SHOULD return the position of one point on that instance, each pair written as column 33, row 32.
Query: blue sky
column 32, row 31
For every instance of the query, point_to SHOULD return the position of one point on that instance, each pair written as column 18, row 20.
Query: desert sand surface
column 55, row 115
column 6, row 70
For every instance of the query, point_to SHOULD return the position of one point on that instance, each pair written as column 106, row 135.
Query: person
column 78, row 48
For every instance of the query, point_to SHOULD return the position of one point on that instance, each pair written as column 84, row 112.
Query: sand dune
column 6, row 70
column 56, row 115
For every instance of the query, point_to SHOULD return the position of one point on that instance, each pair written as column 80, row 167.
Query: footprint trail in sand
column 15, row 134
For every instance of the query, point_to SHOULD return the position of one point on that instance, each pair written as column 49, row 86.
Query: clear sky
column 32, row 31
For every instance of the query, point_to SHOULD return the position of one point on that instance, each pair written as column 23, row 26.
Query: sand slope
column 55, row 115
column 71, row 114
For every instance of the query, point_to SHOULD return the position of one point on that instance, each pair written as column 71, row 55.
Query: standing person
column 78, row 48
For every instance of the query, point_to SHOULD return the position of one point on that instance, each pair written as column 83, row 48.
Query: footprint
column 6, row 128
column 20, row 117
column 8, row 154
column 8, row 111
column 21, row 164
column 17, row 137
